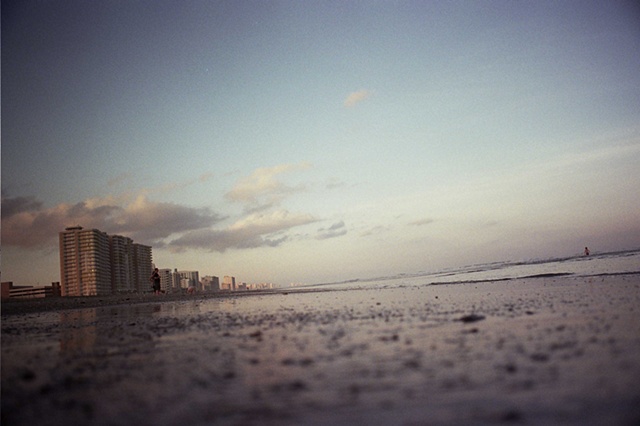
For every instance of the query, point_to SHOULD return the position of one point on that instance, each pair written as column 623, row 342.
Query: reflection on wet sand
column 84, row 330
column 79, row 330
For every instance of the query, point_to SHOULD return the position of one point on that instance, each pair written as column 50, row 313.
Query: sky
column 310, row 142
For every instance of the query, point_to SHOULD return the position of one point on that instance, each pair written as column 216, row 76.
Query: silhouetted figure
column 586, row 251
column 155, row 279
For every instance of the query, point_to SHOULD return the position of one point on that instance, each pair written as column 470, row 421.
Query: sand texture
column 555, row 350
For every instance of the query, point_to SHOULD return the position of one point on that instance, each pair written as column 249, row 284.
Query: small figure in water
column 586, row 251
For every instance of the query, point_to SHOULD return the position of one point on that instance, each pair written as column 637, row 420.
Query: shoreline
column 18, row 306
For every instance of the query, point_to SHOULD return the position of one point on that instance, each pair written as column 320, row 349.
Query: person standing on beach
column 155, row 279
column 586, row 251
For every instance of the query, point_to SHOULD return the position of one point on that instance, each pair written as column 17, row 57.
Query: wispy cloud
column 206, row 176
column 262, row 189
column 180, row 185
column 355, row 98
column 334, row 183
column 374, row 230
column 255, row 230
column 421, row 222
column 338, row 229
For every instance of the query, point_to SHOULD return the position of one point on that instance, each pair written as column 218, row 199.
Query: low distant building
column 6, row 289
column 210, row 283
column 189, row 278
column 260, row 286
column 29, row 292
column 228, row 283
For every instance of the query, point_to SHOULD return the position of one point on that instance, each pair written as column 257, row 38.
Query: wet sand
column 549, row 350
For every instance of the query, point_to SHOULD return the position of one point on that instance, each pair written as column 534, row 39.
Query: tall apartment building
column 167, row 280
column 93, row 263
column 122, row 271
column 142, row 267
column 85, row 265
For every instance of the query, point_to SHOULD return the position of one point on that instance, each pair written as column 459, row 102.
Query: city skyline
column 94, row 263
column 319, row 142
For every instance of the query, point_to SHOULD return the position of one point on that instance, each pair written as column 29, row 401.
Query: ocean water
column 609, row 263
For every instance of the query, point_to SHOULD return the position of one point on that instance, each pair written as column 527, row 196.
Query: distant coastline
column 473, row 274
column 487, row 268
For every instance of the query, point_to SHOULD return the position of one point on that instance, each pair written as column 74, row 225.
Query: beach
column 543, row 350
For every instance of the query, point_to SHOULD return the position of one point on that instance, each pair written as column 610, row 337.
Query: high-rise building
column 142, row 267
column 166, row 279
column 122, row 272
column 175, row 284
column 85, row 266
column 93, row 263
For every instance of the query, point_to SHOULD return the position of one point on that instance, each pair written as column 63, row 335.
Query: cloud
column 206, row 177
column 27, row 224
column 144, row 220
column 338, row 229
column 356, row 97
column 170, row 187
column 374, row 231
column 259, row 192
column 256, row 230
column 334, row 183
column 421, row 222
column 17, row 205
column 262, row 189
